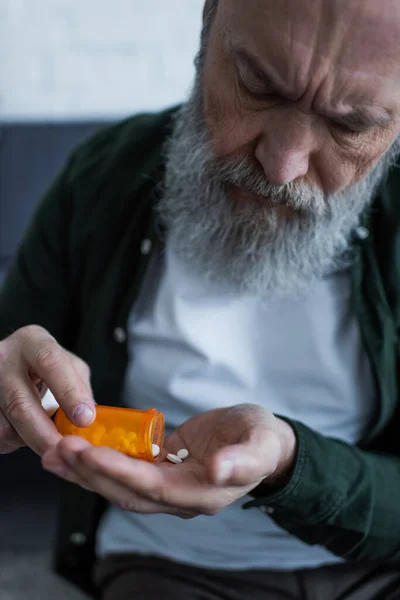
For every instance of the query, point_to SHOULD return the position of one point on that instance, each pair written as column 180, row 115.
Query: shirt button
column 77, row 538
column 268, row 510
column 119, row 335
column 362, row 233
column 145, row 246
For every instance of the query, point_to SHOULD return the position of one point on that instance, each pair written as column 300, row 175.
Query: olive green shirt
column 78, row 272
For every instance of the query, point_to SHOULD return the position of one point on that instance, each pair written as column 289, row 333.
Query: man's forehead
column 337, row 23
column 312, row 10
column 304, row 40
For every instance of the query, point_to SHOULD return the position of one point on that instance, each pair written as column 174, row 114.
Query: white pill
column 182, row 454
column 155, row 450
column 174, row 459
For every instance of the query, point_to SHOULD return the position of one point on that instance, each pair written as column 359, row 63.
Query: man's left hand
column 232, row 451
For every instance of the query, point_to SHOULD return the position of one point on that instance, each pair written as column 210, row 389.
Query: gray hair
column 250, row 246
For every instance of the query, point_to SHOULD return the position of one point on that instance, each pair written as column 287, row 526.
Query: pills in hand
column 179, row 457
column 174, row 459
column 155, row 450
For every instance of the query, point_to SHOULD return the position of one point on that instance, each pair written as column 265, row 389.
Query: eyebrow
column 358, row 118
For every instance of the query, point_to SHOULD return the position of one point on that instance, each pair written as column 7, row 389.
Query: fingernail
column 224, row 471
column 83, row 415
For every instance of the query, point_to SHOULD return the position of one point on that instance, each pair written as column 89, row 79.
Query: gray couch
column 30, row 156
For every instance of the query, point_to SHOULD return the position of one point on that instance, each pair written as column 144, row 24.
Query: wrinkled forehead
column 331, row 43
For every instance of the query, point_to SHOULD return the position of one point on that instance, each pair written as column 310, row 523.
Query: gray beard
column 250, row 246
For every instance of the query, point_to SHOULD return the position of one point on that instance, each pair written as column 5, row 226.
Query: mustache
column 242, row 173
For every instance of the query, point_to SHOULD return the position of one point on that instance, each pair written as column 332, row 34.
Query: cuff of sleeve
column 307, row 497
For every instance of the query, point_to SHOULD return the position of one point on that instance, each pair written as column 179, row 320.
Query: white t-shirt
column 196, row 346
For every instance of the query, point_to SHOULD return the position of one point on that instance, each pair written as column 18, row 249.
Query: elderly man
column 235, row 263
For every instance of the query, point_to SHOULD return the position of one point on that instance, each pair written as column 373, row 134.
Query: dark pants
column 130, row 577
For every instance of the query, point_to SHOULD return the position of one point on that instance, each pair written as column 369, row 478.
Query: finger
column 21, row 406
column 55, row 367
column 248, row 462
column 52, row 462
column 86, row 459
column 81, row 366
column 9, row 439
column 114, row 491
column 181, row 487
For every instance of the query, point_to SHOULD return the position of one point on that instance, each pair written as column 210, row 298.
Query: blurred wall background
column 94, row 59
column 68, row 67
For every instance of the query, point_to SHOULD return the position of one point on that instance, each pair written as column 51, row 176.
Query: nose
column 285, row 147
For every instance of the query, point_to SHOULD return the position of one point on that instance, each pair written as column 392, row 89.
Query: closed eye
column 256, row 89
column 349, row 132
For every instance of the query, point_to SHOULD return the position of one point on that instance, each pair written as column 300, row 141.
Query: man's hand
column 231, row 451
column 31, row 361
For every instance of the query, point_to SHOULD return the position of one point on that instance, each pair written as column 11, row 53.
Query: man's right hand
column 30, row 362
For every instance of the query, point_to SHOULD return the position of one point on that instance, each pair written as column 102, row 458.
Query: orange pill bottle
column 127, row 430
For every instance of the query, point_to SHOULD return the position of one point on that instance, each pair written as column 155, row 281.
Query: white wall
column 73, row 59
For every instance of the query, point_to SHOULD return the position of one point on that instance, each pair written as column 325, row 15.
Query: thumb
column 247, row 462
